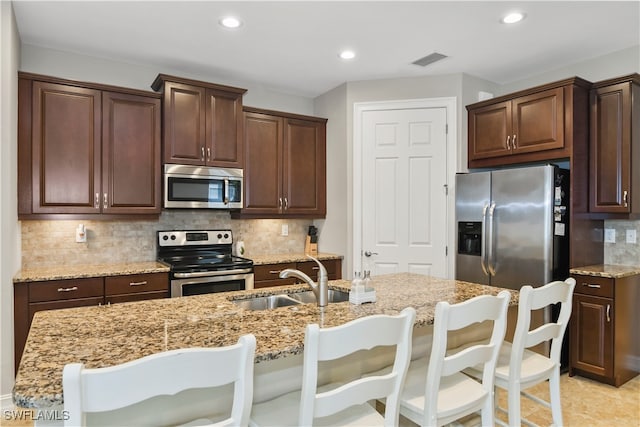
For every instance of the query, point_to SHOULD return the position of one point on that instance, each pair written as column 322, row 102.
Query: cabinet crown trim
column 577, row 81
column 631, row 78
column 158, row 83
column 248, row 109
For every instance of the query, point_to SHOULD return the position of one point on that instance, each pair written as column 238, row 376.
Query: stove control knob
column 165, row 237
column 173, row 237
column 219, row 236
column 226, row 235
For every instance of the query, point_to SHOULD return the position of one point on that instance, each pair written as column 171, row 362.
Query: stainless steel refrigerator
column 513, row 226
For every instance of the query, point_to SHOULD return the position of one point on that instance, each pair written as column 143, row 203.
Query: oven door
column 186, row 284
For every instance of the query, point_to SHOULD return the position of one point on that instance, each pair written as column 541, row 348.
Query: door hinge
column 446, row 189
column 446, row 250
column 446, row 128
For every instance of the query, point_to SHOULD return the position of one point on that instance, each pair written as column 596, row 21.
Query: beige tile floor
column 585, row 403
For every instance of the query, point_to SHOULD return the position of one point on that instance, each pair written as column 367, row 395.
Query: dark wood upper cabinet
column 533, row 125
column 130, row 154
column 85, row 148
column 615, row 147
column 202, row 122
column 285, row 165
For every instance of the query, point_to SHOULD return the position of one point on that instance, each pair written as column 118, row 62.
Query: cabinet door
column 263, row 136
column 610, row 149
column 224, row 129
column 131, row 164
column 304, row 179
column 592, row 335
column 489, row 128
column 538, row 121
column 65, row 148
column 184, row 124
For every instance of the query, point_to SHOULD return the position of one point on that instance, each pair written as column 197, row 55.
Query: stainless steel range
column 202, row 263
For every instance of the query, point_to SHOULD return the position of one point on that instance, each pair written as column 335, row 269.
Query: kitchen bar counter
column 106, row 336
column 82, row 271
column 606, row 270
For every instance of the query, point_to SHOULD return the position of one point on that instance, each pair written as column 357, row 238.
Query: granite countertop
column 607, row 270
column 110, row 335
column 261, row 259
column 82, row 271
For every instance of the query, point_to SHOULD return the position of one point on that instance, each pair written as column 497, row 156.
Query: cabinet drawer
column 596, row 286
column 270, row 271
column 136, row 283
column 56, row 290
column 310, row 268
column 140, row 296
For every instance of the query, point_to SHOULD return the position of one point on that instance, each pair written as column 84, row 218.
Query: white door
column 404, row 191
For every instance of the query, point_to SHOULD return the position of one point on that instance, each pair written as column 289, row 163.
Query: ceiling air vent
column 429, row 59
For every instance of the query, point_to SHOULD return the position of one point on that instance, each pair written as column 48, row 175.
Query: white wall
column 9, row 226
column 35, row 59
column 333, row 229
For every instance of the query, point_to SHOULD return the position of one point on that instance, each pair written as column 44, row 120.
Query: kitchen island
column 110, row 335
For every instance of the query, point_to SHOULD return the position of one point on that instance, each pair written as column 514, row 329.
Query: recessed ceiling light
column 230, row 22
column 512, row 18
column 347, row 54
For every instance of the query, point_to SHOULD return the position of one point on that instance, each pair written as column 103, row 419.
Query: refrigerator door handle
column 490, row 258
column 483, row 242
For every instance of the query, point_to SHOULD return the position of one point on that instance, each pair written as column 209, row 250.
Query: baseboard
column 634, row 362
column 6, row 402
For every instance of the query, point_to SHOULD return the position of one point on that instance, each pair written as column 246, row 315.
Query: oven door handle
column 211, row 273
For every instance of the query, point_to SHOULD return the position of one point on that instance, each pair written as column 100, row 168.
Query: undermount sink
column 283, row 300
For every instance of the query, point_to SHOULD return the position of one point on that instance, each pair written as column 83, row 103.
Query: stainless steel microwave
column 201, row 187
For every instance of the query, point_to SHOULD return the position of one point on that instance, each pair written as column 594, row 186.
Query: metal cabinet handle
column 514, row 142
column 508, row 142
column 144, row 282
column 279, row 203
column 591, row 285
column 104, row 205
column 625, row 198
column 208, row 153
column 608, row 312
column 97, row 202
column 274, row 271
column 202, row 153
column 286, row 204
column 74, row 288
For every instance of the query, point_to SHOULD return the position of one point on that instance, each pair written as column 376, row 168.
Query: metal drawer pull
column 608, row 312
column 274, row 271
column 75, row 288
column 315, row 268
column 591, row 285
column 144, row 282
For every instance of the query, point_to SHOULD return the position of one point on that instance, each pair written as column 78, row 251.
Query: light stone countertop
column 63, row 272
column 262, row 259
column 607, row 270
column 110, row 335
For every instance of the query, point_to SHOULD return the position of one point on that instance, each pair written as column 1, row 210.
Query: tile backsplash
column 621, row 252
column 52, row 243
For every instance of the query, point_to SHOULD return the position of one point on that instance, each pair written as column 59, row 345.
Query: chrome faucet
column 320, row 290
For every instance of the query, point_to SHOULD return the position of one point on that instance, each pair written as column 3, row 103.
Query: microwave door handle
column 226, row 191
column 491, row 258
column 483, row 246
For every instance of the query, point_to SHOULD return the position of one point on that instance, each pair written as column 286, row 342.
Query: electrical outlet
column 609, row 235
column 631, row 236
column 285, row 230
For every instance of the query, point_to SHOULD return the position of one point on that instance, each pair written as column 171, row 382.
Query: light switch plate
column 609, row 235
column 285, row 230
column 631, row 236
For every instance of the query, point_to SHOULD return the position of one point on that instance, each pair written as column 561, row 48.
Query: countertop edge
column 611, row 271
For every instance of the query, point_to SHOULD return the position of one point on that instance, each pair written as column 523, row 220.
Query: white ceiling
column 292, row 46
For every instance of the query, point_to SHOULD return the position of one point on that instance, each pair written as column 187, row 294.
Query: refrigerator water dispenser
column 469, row 237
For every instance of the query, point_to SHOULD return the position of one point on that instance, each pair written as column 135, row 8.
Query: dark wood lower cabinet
column 32, row 297
column 605, row 329
column 266, row 275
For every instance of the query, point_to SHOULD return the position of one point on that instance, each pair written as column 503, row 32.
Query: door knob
column 369, row 253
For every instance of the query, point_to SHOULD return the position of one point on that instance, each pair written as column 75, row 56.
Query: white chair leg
column 514, row 405
column 554, row 393
column 487, row 414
